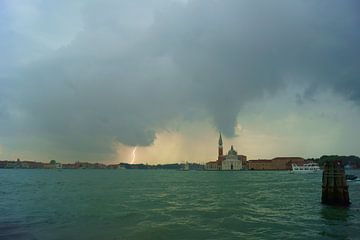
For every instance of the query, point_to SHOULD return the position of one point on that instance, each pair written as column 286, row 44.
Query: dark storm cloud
column 235, row 51
column 137, row 65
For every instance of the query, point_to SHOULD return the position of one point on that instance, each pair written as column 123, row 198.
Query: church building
column 230, row 162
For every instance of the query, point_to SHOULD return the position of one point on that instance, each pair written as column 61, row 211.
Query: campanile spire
column 220, row 147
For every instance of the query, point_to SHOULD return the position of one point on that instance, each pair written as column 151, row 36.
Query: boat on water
column 186, row 167
column 350, row 177
column 306, row 168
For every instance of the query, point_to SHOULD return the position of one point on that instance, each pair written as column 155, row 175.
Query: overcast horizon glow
column 90, row 80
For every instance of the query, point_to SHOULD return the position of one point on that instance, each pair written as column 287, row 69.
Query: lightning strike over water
column 134, row 156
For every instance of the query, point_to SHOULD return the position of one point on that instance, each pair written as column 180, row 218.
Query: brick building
column 278, row 163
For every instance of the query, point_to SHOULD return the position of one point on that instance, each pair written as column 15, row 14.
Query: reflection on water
column 334, row 213
column 338, row 222
column 334, row 219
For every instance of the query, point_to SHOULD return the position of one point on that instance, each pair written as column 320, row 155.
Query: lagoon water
column 165, row 204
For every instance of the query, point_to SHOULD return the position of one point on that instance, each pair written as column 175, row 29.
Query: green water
column 159, row 204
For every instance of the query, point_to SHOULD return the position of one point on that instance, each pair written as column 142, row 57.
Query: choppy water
column 159, row 204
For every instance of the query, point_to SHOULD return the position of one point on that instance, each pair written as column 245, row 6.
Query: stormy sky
column 90, row 80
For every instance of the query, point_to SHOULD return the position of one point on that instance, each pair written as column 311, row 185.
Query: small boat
column 186, row 167
column 306, row 168
column 350, row 177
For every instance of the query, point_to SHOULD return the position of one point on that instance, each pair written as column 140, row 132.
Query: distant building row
column 29, row 164
column 54, row 165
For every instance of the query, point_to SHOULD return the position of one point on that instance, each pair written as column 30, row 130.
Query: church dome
column 232, row 152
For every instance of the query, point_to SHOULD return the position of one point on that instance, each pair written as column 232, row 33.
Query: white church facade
column 231, row 162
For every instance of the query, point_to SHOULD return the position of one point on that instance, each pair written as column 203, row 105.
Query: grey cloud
column 237, row 50
column 139, row 64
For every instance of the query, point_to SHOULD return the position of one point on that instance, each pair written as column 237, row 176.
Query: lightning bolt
column 134, row 155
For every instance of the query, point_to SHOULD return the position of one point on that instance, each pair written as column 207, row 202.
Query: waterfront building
column 230, row 162
column 278, row 163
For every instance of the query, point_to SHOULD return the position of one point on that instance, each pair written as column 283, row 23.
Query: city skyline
column 90, row 81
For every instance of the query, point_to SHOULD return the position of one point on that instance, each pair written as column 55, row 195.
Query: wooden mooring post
column 334, row 186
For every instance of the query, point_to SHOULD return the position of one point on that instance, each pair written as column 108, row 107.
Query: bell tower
column 220, row 149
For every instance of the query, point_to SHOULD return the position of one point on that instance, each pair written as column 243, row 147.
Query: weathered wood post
column 334, row 186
